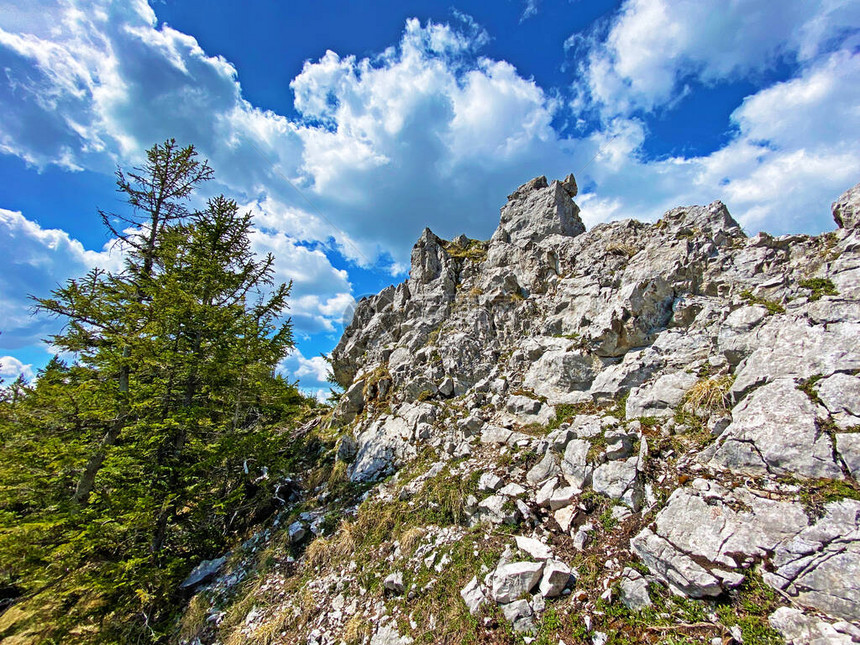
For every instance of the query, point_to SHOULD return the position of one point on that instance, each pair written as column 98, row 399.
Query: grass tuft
column 711, row 394
column 772, row 306
column 819, row 287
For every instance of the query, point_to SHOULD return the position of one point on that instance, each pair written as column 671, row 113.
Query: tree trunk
column 87, row 480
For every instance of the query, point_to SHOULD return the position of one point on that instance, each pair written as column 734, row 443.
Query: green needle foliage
column 155, row 448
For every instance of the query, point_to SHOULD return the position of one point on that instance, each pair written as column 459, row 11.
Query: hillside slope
column 636, row 433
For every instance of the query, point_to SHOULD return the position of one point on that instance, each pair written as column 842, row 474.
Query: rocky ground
column 636, row 433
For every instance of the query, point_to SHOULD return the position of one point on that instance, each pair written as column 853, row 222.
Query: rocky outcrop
column 673, row 406
column 846, row 209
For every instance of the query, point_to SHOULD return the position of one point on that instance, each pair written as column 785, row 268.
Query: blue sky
column 346, row 126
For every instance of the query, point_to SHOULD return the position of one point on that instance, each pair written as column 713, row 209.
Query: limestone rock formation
column 624, row 415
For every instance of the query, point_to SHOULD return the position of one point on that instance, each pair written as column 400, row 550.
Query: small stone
column 497, row 509
column 619, row 445
column 510, row 581
column 718, row 423
column 544, row 469
column 580, row 538
column 203, row 572
column 446, row 387
column 730, row 579
column 394, row 583
column 512, row 490
column 565, row 517
column 535, row 548
column 546, row 491
column 634, row 590
column 556, row 576
column 489, row 483
column 621, row 513
column 562, row 497
column 519, row 614
column 297, row 532
column 473, row 596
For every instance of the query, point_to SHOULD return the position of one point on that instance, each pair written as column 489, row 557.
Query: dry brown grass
column 622, row 248
column 194, row 617
column 411, row 538
column 710, row 394
column 345, row 540
column 338, row 473
column 356, row 630
column 319, row 552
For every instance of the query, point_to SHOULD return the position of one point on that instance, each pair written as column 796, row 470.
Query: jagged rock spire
column 537, row 209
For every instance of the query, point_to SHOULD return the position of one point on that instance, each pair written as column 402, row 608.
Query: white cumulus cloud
column 11, row 368
column 312, row 371
column 35, row 261
column 652, row 47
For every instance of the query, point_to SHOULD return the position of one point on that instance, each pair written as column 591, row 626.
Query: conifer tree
column 124, row 467
column 158, row 193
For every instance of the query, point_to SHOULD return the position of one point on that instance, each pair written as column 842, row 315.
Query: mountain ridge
column 655, row 412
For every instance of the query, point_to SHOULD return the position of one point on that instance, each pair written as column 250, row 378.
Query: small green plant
column 620, row 409
column 474, row 250
column 748, row 607
column 433, row 337
column 815, row 495
column 376, row 384
column 598, row 447
column 819, row 287
column 807, row 386
column 829, row 252
column 772, row 306
column 608, row 520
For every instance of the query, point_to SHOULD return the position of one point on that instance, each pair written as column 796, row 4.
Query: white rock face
column 846, row 209
column 706, row 525
column 840, row 393
column 800, row 629
column 486, row 341
column 775, row 431
column 677, row 569
column 848, row 447
column 821, row 563
column 661, row 397
column 526, row 410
